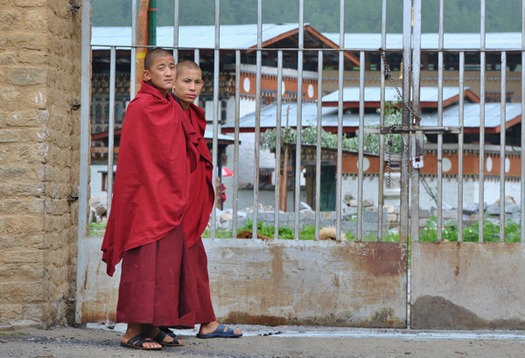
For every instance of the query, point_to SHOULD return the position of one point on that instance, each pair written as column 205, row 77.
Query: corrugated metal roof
column 500, row 40
column 373, row 94
column 288, row 117
column 231, row 36
column 244, row 36
column 472, row 116
column 351, row 120
column 208, row 134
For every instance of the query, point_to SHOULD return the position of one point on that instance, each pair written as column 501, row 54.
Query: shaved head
column 154, row 53
column 186, row 65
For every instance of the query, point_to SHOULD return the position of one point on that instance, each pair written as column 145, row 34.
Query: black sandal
column 159, row 338
column 138, row 341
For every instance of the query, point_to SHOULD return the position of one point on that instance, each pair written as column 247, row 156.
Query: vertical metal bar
column 522, row 200
column 405, row 152
column 278, row 138
column 133, row 59
column 319, row 151
column 176, row 15
column 340, row 109
column 83, row 202
column 197, row 60
column 257, row 134
column 111, row 124
column 460, row 143
column 418, row 136
column 502, row 146
column 440, row 124
column 483, row 67
column 152, row 23
column 216, row 106
column 361, row 141
column 236, row 141
column 381, row 197
column 298, row 147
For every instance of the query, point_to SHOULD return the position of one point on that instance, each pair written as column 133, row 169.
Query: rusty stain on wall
column 377, row 258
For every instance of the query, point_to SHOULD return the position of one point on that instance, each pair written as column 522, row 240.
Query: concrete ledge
column 282, row 282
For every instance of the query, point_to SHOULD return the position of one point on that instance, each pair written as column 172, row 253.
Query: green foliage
column 512, row 231
column 391, row 236
column 393, row 142
column 284, row 232
column 308, row 137
column 96, row 229
column 330, row 140
column 361, row 16
column 307, row 233
column 219, row 234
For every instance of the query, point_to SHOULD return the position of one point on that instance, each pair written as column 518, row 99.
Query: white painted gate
column 386, row 275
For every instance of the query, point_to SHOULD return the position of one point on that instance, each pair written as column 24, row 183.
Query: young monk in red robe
column 188, row 86
column 157, row 286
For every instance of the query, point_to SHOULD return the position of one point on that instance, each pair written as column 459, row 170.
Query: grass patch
column 96, row 229
column 512, row 231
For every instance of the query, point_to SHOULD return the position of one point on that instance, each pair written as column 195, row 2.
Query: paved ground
column 99, row 341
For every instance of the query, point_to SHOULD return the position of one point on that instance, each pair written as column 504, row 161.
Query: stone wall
column 40, row 42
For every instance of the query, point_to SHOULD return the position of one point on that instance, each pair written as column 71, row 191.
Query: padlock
column 417, row 162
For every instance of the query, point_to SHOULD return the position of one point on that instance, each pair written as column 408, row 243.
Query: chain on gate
column 415, row 118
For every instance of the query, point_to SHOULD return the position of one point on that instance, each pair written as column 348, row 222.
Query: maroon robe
column 196, row 217
column 202, row 193
column 152, row 178
column 157, row 154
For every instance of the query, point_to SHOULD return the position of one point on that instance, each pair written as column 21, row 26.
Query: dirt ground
column 260, row 341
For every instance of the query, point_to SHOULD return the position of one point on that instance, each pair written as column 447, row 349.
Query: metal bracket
column 418, row 162
column 425, row 129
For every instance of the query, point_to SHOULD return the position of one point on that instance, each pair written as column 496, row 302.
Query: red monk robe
column 157, row 153
column 151, row 184
column 202, row 193
column 196, row 217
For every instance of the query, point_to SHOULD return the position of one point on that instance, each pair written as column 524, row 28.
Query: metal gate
column 274, row 107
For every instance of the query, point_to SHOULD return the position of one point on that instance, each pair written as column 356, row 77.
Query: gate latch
column 417, row 162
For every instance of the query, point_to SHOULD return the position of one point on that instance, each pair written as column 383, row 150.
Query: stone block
column 28, row 224
column 9, row 19
column 9, row 95
column 392, row 217
column 26, row 76
column 22, row 205
column 493, row 209
column 23, row 272
column 30, row 3
column 389, row 208
column 10, row 311
column 513, row 208
column 29, row 291
column 28, row 118
column 424, row 213
column 10, row 136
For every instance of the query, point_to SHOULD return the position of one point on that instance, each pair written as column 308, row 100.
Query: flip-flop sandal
column 220, row 332
column 138, row 341
column 161, row 336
